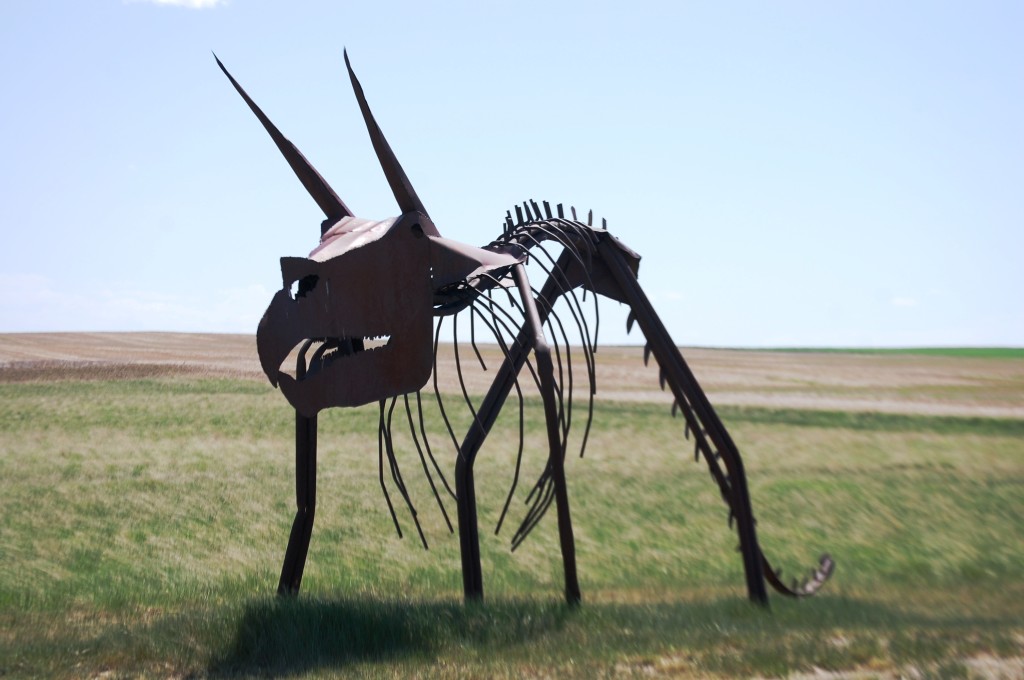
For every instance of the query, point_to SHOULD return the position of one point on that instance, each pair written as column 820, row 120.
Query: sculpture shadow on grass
column 279, row 636
column 285, row 636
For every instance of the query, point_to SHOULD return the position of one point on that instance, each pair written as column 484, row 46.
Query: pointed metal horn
column 406, row 196
column 317, row 187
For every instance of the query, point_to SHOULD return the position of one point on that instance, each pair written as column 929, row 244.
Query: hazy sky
column 793, row 173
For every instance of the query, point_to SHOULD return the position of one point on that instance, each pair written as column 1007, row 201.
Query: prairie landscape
column 147, row 492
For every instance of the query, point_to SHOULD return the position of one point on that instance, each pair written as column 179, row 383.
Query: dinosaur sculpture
column 364, row 312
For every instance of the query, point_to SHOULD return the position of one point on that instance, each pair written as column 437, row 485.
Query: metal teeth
column 519, row 216
column 675, row 407
column 590, row 218
column 630, row 320
column 686, row 430
column 561, row 214
column 536, row 208
column 573, row 209
column 547, row 209
column 661, row 378
column 647, row 353
column 529, row 215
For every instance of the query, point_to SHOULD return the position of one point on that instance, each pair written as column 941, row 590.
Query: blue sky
column 795, row 173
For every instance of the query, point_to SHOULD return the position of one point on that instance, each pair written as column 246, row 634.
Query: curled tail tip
column 810, row 585
column 821, row 575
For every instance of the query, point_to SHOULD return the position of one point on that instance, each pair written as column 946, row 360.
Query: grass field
column 146, row 492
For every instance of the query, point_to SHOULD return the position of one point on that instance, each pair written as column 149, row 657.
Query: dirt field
column 902, row 383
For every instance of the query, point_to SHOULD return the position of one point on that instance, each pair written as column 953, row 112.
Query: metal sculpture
column 364, row 313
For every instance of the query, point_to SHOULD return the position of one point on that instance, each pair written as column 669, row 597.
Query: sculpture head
column 365, row 295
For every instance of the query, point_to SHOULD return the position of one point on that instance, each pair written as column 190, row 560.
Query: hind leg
column 556, row 455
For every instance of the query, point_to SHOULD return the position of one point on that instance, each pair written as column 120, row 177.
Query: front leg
column 305, row 501
column 305, row 495
column 556, row 452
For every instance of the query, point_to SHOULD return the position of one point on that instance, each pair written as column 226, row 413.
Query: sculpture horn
column 406, row 196
column 334, row 208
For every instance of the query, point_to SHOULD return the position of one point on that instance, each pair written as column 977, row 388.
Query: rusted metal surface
column 366, row 309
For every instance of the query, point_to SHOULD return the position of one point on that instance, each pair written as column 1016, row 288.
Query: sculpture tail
column 711, row 439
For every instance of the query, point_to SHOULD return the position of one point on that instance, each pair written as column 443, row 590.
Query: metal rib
column 423, row 460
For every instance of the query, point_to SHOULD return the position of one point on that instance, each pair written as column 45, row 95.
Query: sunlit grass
column 144, row 523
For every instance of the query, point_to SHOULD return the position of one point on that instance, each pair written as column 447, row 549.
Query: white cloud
column 191, row 4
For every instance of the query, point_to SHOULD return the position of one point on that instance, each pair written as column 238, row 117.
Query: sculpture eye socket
column 303, row 286
column 416, row 230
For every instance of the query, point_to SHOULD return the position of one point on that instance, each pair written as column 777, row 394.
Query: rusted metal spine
column 686, row 389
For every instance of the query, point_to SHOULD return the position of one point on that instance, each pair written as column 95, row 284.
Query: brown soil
column 105, row 356
column 891, row 383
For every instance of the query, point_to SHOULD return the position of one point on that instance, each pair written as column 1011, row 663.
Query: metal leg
column 465, row 490
column 556, row 452
column 305, row 501
column 469, row 537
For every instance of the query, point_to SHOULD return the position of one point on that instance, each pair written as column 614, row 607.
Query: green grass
column 143, row 524
column 874, row 421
